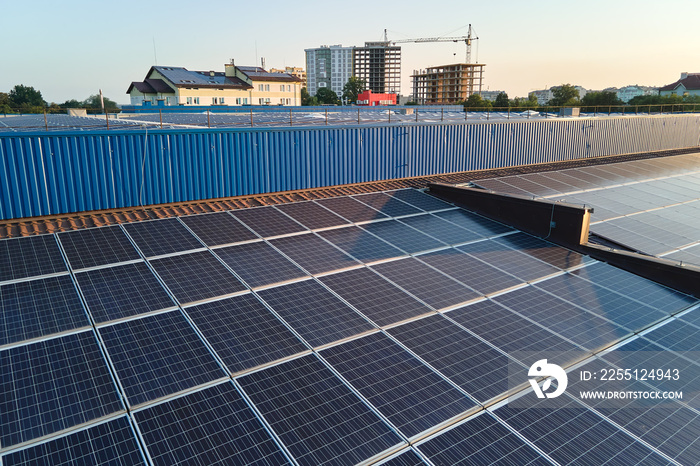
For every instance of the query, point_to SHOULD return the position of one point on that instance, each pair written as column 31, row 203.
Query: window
column 267, row 88
column 282, row 87
column 196, row 100
column 245, row 101
column 281, row 101
column 221, row 100
column 260, row 87
column 214, row 101
column 238, row 101
column 261, row 100
column 287, row 101
column 189, row 101
column 289, row 88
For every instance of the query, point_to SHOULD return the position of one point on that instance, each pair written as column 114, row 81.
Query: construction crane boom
column 466, row 39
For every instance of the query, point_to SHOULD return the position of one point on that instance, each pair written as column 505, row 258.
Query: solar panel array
column 368, row 328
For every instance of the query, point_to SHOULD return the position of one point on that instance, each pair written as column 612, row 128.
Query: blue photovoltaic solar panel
column 160, row 237
column 243, row 332
column 218, row 228
column 476, row 223
column 158, row 355
column 523, row 266
column 109, row 444
column 197, row 276
column 546, row 252
column 402, row 236
column 374, row 296
column 472, row 272
column 116, row 292
column 480, row 440
column 268, row 221
column 676, row 335
column 351, row 209
column 29, row 257
column 361, row 244
column 475, row 366
column 97, row 246
column 313, row 253
column 406, row 391
column 39, row 307
column 445, row 231
column 387, row 204
column 51, row 385
column 214, row 426
column 420, row 199
column 565, row 319
column 328, row 424
column 314, row 312
column 311, row 215
column 407, row 458
column 259, row 264
column 427, row 284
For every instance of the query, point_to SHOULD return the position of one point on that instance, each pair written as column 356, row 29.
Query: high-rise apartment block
column 328, row 66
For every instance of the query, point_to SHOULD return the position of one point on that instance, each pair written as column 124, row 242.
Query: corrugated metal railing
column 55, row 173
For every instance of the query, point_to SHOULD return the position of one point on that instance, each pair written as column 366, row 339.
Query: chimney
column 230, row 69
column 684, row 75
column 262, row 62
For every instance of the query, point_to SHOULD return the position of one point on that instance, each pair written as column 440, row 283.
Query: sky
column 70, row 49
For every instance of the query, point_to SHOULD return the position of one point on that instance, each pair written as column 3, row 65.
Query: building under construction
column 379, row 65
column 447, row 84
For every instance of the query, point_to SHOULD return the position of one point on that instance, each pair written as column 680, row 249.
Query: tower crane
column 467, row 40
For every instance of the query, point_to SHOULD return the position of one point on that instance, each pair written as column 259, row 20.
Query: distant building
column 491, row 95
column 379, row 65
column 545, row 95
column 236, row 85
column 328, row 66
column 368, row 98
column 447, row 84
column 628, row 93
column 294, row 71
column 688, row 85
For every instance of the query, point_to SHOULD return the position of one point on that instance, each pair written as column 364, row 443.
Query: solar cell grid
column 111, row 444
column 211, row 426
column 495, row 253
column 386, row 204
column 268, row 221
column 259, row 264
column 351, row 209
column 218, row 228
column 476, row 367
column 408, row 393
column 441, row 229
column 314, row 312
column 97, row 246
column 427, row 284
column 30, row 256
column 407, row 458
column 243, row 332
column 546, row 252
column 419, row 199
column 197, row 276
column 328, row 425
column 311, row 215
column 480, row 440
column 402, row 236
column 480, row 225
column 158, row 355
column 51, row 385
column 313, row 253
column 123, row 291
column 160, row 237
column 361, row 244
column 676, row 335
column 39, row 307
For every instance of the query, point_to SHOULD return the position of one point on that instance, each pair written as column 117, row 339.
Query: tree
column 5, row 103
column 564, row 95
column 307, row 99
column 476, row 101
column 94, row 102
column 326, row 96
column 602, row 98
column 25, row 96
column 352, row 89
column 501, row 100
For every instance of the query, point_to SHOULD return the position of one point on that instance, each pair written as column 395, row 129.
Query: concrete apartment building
column 447, row 84
column 328, row 66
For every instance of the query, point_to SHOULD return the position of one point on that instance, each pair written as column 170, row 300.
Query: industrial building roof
column 356, row 324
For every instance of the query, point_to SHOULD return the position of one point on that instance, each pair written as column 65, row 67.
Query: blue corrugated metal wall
column 55, row 173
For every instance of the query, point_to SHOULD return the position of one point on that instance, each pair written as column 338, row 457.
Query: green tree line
column 26, row 99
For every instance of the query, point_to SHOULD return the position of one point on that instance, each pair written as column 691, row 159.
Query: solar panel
column 523, row 266
column 480, row 225
column 403, row 236
column 268, row 221
column 375, row 297
column 311, row 215
column 472, row 364
column 259, row 264
column 328, row 425
column 472, row 272
column 97, row 246
column 361, row 244
column 123, row 291
column 693, row 317
column 314, row 312
column 421, row 200
column 546, row 252
column 351, row 209
column 313, row 253
column 676, row 335
column 601, row 301
column 387, row 204
column 158, row 355
column 427, row 284
column 409, row 394
column 408, row 458
column 567, row 320
column 160, row 237
column 110, row 443
column 197, row 276
column 480, row 440
column 243, row 332
column 52, row 385
column 30, row 256
column 217, row 229
column 39, row 307
column 211, row 426
column 441, row 229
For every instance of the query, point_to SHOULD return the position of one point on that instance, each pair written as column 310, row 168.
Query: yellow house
column 235, row 86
